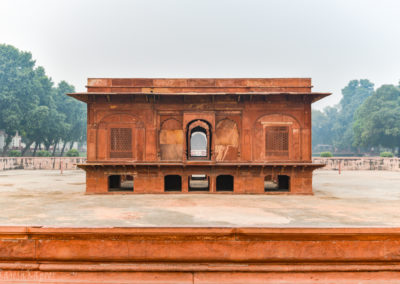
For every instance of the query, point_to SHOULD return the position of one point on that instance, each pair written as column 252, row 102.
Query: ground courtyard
column 351, row 199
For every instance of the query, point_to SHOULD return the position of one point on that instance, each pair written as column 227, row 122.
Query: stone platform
column 352, row 199
column 348, row 232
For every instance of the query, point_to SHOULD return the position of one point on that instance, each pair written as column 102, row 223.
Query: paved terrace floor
column 352, row 199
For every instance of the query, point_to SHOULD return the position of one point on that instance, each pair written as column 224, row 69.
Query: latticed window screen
column 121, row 143
column 277, row 141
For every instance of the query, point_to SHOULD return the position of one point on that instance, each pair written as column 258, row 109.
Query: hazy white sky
column 330, row 41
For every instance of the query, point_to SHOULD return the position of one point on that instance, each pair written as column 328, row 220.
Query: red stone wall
column 153, row 131
column 199, row 255
column 247, row 180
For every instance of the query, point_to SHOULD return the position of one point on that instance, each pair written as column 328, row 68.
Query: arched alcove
column 226, row 140
column 276, row 137
column 171, row 140
column 120, row 136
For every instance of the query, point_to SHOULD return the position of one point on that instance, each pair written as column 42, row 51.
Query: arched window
column 198, row 140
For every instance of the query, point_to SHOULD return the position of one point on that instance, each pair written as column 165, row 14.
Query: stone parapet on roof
column 198, row 85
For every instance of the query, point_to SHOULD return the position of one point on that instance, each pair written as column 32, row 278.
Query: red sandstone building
column 199, row 135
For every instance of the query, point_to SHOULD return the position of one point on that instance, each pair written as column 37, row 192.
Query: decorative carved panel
column 121, row 143
column 277, row 141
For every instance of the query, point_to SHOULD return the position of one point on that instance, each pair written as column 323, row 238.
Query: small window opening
column 280, row 183
column 172, row 183
column 120, row 183
column 283, row 183
column 199, row 183
column 270, row 183
column 121, row 143
column 277, row 141
column 198, row 142
column 225, row 183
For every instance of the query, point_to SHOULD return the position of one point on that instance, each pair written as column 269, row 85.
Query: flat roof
column 351, row 199
column 198, row 87
column 199, row 82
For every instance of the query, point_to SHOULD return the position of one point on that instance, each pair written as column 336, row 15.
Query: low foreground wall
column 199, row 255
column 40, row 163
column 357, row 164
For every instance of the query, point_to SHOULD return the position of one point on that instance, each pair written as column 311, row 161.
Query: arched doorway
column 198, row 140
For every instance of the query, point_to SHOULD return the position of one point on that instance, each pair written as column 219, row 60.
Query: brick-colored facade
column 199, row 135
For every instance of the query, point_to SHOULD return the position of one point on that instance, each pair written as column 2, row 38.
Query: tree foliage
column 354, row 95
column 364, row 118
column 322, row 125
column 326, row 154
column 73, row 153
column 33, row 106
column 18, row 89
column 334, row 125
column 377, row 121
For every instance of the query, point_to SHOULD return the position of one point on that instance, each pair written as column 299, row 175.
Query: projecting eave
column 162, row 164
column 86, row 97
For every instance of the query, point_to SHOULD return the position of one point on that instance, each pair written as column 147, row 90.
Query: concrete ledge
column 199, row 255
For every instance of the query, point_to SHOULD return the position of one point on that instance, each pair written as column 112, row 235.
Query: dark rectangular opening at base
column 172, row 183
column 199, row 183
column 224, row 183
column 120, row 183
column 279, row 183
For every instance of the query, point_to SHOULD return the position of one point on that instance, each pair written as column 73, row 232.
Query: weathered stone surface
column 202, row 255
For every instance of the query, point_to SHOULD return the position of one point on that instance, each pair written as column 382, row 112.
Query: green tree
column 18, row 89
column 75, row 113
column 42, row 123
column 321, row 126
column 377, row 121
column 354, row 95
column 34, row 126
column 30, row 104
column 334, row 125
